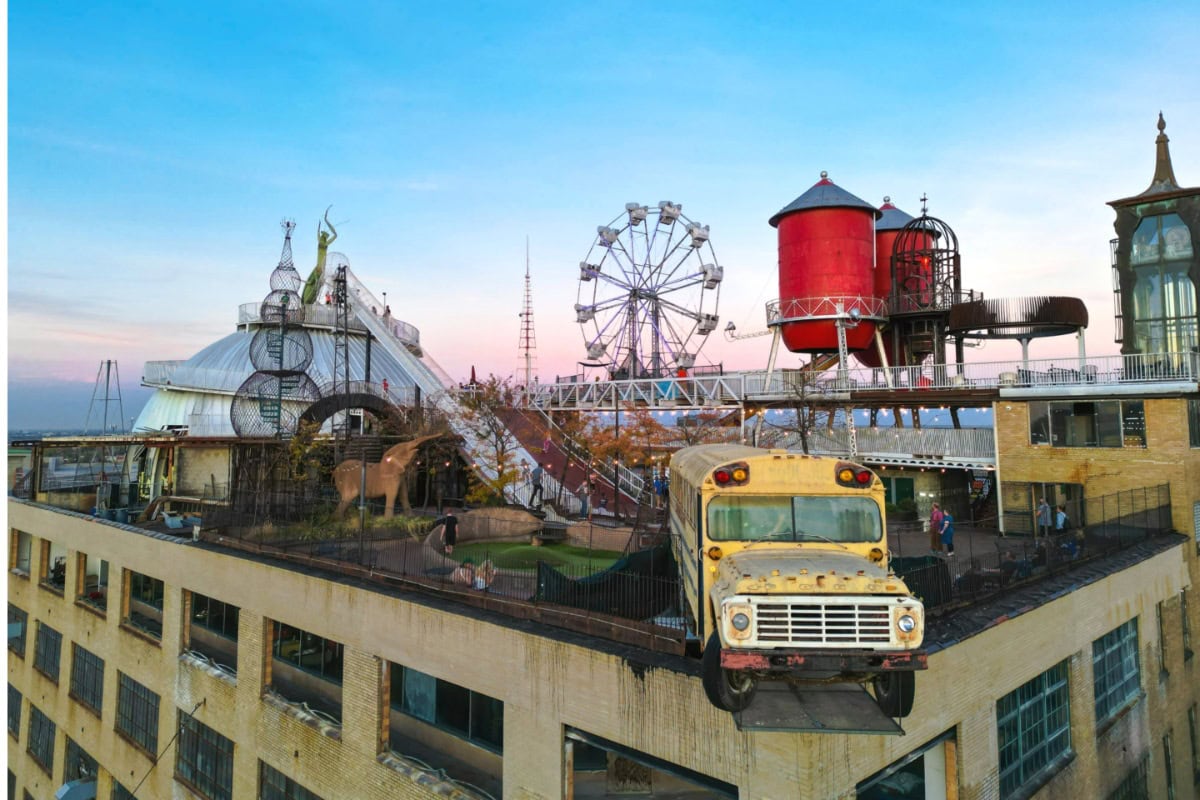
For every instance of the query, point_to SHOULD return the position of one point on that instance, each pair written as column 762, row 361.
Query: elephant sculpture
column 383, row 479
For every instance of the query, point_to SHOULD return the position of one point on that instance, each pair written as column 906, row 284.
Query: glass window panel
column 137, row 713
column 14, row 711
column 1033, row 728
column 48, row 651
column 1146, row 242
column 41, row 739
column 1039, row 422
column 1133, row 423
column 487, row 720
column 1177, row 240
column 784, row 518
column 454, row 707
column 17, row 620
column 1116, row 674
column 420, row 694
column 87, row 678
column 204, row 759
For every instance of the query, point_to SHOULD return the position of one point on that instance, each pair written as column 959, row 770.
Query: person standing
column 948, row 532
column 935, row 529
column 1061, row 523
column 1043, row 517
column 535, row 492
column 449, row 530
column 585, row 493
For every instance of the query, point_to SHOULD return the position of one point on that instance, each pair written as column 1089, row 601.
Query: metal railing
column 973, row 444
column 734, row 388
column 985, row 565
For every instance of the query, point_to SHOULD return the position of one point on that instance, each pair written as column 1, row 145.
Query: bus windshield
column 733, row 518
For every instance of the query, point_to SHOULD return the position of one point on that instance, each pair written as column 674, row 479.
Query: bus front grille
column 838, row 624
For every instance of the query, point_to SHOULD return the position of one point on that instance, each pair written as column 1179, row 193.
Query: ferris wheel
column 648, row 292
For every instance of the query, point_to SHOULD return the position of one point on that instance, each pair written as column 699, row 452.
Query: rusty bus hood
column 803, row 569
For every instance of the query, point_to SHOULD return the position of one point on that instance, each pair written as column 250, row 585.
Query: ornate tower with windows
column 1156, row 268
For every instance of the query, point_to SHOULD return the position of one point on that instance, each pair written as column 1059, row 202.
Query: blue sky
column 154, row 147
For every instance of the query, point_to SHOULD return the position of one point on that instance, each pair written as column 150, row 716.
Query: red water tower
column 887, row 228
column 827, row 270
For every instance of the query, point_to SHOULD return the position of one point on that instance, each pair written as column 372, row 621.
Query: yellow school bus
column 783, row 568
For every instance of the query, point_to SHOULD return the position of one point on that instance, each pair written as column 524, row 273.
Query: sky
column 153, row 149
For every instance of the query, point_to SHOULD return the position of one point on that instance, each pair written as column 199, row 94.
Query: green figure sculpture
column 313, row 284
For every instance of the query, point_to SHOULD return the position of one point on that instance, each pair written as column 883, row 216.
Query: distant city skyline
column 147, row 177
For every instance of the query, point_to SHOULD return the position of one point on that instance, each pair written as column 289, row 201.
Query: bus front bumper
column 843, row 661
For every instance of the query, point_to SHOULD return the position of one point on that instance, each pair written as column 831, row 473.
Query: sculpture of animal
column 383, row 479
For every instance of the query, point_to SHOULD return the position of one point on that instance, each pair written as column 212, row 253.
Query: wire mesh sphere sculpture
column 280, row 306
column 648, row 292
column 275, row 350
column 267, row 405
column 286, row 279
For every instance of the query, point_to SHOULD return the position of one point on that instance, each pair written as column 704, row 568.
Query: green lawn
column 520, row 555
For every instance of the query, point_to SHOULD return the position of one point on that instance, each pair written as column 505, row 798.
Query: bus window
column 785, row 519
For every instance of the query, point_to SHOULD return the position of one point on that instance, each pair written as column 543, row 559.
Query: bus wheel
column 894, row 692
column 728, row 690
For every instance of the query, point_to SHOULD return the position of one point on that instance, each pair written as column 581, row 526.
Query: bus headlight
column 741, row 622
column 906, row 624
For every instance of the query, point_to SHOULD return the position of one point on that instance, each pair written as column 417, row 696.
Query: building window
column 119, row 792
column 80, row 766
column 309, row 652
column 1194, row 732
column 1033, row 725
column 1133, row 786
column 274, row 785
column 137, row 713
column 1162, row 638
column 145, row 603
column 1193, row 412
column 22, row 552
column 93, row 582
column 41, row 739
column 1115, row 673
column 220, row 618
column 1185, row 624
column 1169, row 765
column 467, row 714
column 205, row 759
column 87, row 678
column 47, row 651
column 1090, row 423
column 17, row 620
column 54, row 567
column 14, row 711
column 1164, row 298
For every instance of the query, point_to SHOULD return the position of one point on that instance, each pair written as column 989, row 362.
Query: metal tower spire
column 528, row 343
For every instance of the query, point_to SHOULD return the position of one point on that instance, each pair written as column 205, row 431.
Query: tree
column 707, row 426
column 495, row 446
column 812, row 406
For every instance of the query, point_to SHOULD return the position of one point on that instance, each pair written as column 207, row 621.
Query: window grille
column 1133, row 786
column 80, row 765
column 274, row 785
column 21, row 558
column 48, row 651
column 87, row 678
column 1185, row 624
column 204, row 759
column 1034, row 728
column 137, row 713
column 14, row 711
column 17, row 620
column 41, row 739
column 1116, row 674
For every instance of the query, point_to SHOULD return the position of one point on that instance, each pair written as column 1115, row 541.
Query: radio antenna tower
column 109, row 371
column 528, row 343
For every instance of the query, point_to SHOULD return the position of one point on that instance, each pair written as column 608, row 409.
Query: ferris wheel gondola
column 648, row 292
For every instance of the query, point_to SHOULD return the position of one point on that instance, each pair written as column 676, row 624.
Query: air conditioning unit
column 77, row 790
